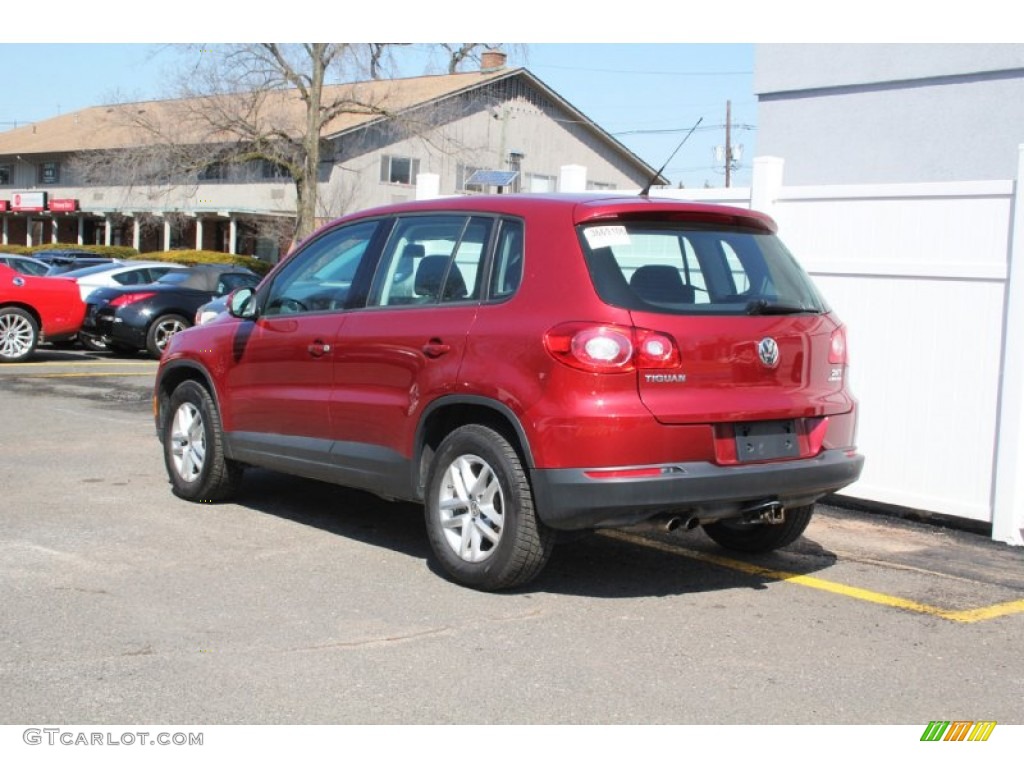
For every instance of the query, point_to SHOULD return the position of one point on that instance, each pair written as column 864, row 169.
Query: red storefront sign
column 3, row 205
column 28, row 201
column 63, row 206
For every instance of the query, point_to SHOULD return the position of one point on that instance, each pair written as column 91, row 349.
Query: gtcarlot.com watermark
column 58, row 736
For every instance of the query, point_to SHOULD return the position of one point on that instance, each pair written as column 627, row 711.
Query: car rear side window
column 683, row 268
column 432, row 259
column 507, row 272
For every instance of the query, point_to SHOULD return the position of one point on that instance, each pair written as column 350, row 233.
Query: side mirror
column 241, row 304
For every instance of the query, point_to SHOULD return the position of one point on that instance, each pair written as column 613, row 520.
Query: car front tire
column 194, row 447
column 480, row 517
column 19, row 334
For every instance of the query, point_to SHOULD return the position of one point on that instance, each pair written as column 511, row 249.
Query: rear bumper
column 570, row 499
column 108, row 327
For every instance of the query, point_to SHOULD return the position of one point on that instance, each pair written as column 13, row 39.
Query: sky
column 683, row 61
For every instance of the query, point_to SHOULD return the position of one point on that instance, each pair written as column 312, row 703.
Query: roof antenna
column 646, row 191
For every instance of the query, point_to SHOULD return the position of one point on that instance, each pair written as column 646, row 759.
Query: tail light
column 610, row 348
column 837, row 347
column 130, row 298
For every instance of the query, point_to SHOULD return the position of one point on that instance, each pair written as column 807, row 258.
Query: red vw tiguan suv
column 523, row 365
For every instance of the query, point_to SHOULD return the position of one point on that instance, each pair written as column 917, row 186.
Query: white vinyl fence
column 929, row 279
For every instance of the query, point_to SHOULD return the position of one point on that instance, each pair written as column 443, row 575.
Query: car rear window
column 686, row 268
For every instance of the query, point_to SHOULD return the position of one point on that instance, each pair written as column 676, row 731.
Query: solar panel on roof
column 492, row 178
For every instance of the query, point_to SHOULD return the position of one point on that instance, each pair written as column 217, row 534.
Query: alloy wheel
column 188, row 442
column 16, row 335
column 165, row 330
column 472, row 508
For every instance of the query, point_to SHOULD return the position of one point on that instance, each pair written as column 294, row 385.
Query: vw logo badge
column 768, row 351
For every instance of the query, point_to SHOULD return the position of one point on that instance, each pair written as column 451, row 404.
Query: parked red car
column 523, row 364
column 33, row 309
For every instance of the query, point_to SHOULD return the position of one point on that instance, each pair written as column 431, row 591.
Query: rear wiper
column 764, row 307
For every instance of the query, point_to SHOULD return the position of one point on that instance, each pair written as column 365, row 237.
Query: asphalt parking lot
column 308, row 603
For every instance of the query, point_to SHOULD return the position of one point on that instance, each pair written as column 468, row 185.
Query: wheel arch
column 27, row 308
column 448, row 413
column 170, row 377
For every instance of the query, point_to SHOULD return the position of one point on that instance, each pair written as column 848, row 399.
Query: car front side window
column 320, row 277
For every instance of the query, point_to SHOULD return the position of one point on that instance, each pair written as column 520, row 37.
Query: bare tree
column 252, row 95
column 267, row 103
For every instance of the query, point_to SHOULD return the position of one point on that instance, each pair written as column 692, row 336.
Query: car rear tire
column 194, row 447
column 19, row 334
column 92, row 343
column 161, row 330
column 753, row 537
column 479, row 510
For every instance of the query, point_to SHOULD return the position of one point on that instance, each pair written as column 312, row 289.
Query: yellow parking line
column 986, row 612
column 964, row 616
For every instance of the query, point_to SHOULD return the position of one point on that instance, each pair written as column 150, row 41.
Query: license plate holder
column 766, row 440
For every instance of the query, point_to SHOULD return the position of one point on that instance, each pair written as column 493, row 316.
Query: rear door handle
column 318, row 348
column 435, row 348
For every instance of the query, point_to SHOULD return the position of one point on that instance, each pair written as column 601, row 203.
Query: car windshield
column 685, row 268
column 28, row 267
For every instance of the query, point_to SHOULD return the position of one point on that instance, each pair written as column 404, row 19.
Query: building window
column 399, row 170
column 271, row 170
column 215, row 171
column 49, row 173
column 599, row 185
column 5, row 175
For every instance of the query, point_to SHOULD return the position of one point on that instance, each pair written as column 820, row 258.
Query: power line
column 735, row 126
column 534, row 65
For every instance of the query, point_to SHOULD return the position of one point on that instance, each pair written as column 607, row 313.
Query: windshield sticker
column 604, row 237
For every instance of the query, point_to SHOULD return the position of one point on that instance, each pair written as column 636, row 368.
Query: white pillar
column 53, row 230
column 766, row 184
column 167, row 234
column 108, row 230
column 5, row 232
column 1008, row 500
column 572, row 178
column 81, row 230
column 199, row 233
column 233, row 235
column 428, row 186
column 28, row 232
column 136, row 232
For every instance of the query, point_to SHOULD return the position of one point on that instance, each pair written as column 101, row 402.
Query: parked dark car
column 61, row 260
column 24, row 264
column 527, row 364
column 130, row 319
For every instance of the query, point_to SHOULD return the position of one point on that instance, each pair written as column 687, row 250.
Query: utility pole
column 729, row 154
column 728, row 144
